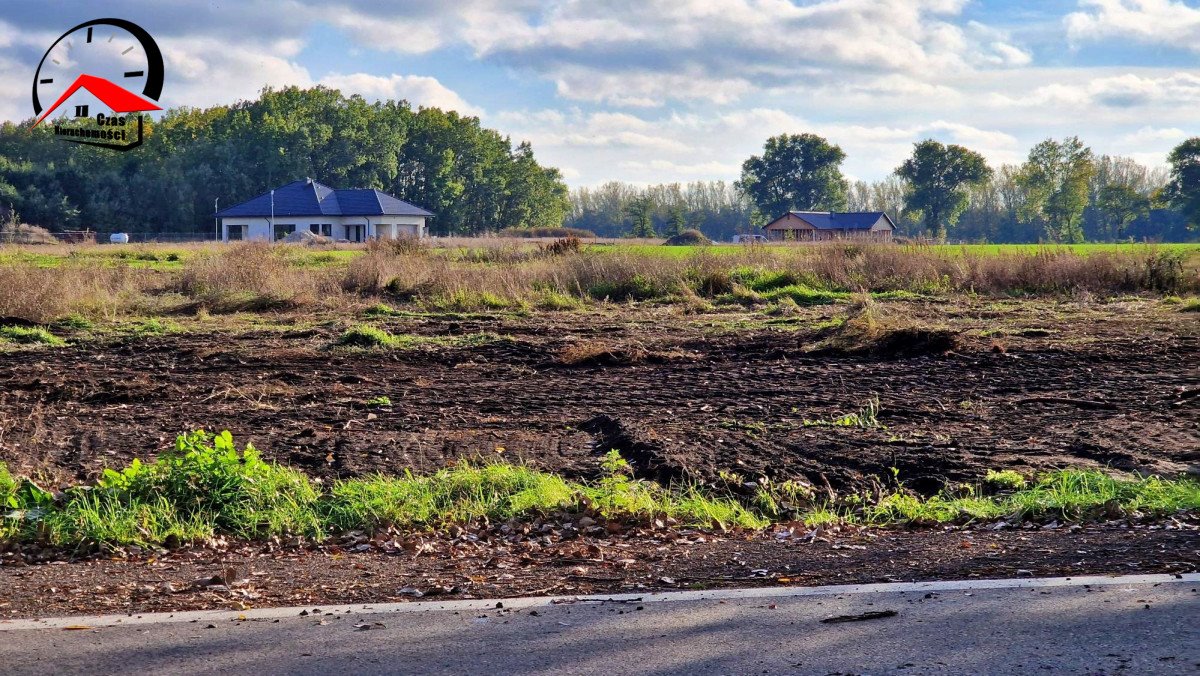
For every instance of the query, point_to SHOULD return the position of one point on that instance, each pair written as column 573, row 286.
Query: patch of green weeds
column 33, row 335
column 548, row 299
column 381, row 400
column 867, row 416
column 366, row 336
column 382, row 310
column 462, row 300
column 806, row 295
column 1005, row 479
column 75, row 322
column 154, row 327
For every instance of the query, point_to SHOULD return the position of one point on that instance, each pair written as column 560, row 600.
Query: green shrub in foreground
column 204, row 486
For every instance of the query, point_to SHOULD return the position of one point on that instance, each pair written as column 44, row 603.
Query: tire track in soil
column 739, row 402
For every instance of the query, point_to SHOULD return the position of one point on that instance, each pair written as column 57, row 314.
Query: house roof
column 310, row 198
column 827, row 220
column 119, row 99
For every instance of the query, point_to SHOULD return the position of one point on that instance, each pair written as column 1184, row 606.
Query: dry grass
column 499, row 274
column 42, row 295
column 253, row 276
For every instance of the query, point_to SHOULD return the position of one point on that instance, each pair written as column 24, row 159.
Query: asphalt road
column 1142, row 624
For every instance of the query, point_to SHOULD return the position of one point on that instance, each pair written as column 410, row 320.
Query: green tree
column 939, row 179
column 641, row 216
column 1055, row 178
column 1183, row 192
column 676, row 220
column 795, row 172
column 1120, row 205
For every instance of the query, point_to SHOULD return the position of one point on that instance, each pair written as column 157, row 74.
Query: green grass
column 206, row 487
column 29, row 336
column 1071, row 495
column 365, row 336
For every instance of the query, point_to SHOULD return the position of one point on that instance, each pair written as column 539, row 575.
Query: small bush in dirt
column 688, row 238
column 1005, row 479
column 567, row 245
column 366, row 336
column 866, row 417
column 381, row 400
column 1189, row 305
column 23, row 335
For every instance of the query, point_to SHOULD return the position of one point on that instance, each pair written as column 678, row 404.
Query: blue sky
column 682, row 90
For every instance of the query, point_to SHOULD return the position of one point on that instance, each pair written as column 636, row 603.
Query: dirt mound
column 688, row 238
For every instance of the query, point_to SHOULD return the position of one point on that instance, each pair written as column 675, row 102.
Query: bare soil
column 1027, row 385
column 436, row 567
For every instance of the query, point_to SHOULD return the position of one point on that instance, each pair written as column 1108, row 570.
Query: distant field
column 1189, row 249
column 175, row 257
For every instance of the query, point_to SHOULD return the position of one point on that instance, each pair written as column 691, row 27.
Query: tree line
column 1063, row 192
column 474, row 179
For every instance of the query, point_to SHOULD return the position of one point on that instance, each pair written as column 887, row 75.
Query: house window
column 236, row 232
column 284, row 229
column 323, row 229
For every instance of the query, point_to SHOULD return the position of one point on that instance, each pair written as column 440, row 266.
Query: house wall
column 386, row 227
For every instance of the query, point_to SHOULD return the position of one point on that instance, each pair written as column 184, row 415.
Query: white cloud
column 416, row 89
column 644, row 53
column 1157, row 22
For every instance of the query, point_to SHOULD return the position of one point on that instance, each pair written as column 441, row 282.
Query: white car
column 118, row 238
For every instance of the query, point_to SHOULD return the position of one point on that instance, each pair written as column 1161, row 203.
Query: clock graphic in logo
column 116, row 62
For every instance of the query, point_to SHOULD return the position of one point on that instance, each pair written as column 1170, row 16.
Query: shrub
column 203, row 486
column 688, row 238
column 366, row 336
column 567, row 245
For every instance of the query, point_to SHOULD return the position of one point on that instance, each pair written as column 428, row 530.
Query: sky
column 659, row 91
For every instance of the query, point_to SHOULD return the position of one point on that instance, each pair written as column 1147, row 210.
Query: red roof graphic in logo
column 118, row 99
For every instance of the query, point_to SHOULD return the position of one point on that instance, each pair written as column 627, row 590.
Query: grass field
column 169, row 257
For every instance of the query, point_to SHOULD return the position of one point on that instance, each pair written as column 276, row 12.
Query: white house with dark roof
column 819, row 226
column 354, row 215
